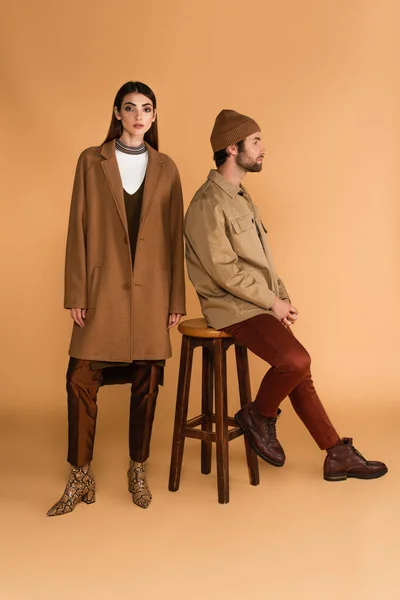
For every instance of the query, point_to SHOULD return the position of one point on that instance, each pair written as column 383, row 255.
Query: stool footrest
column 234, row 433
column 199, row 434
column 209, row 436
column 200, row 419
column 196, row 421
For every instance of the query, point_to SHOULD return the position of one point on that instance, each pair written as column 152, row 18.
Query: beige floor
column 293, row 536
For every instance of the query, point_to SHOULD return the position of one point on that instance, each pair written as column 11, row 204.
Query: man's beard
column 247, row 166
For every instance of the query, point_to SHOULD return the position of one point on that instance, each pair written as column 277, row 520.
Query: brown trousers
column 82, row 387
column 289, row 375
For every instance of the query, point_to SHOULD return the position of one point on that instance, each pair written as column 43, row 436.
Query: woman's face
column 136, row 115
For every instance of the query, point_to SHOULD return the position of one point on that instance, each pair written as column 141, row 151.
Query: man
column 230, row 264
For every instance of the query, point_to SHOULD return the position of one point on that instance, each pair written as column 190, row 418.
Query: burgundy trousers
column 82, row 387
column 289, row 375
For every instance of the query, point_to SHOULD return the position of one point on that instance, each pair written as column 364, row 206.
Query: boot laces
column 357, row 453
column 271, row 427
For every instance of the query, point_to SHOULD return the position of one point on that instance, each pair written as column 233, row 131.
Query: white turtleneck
column 132, row 168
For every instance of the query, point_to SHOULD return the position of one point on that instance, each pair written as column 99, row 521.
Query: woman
column 124, row 285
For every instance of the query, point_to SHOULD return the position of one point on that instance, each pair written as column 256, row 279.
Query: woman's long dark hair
column 135, row 87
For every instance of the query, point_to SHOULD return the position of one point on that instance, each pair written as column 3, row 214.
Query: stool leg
column 242, row 365
column 221, row 419
column 182, row 403
column 207, row 408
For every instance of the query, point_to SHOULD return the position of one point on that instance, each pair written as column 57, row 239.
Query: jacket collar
column 225, row 185
column 155, row 167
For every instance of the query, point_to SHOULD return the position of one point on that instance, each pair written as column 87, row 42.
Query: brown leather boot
column 261, row 431
column 345, row 461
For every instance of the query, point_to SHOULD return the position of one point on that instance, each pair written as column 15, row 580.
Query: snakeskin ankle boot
column 137, row 484
column 80, row 486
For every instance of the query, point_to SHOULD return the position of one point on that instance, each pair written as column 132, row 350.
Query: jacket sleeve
column 205, row 232
column 283, row 293
column 75, row 258
column 177, row 296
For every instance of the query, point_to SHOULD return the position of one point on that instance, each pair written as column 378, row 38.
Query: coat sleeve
column 177, row 296
column 205, row 232
column 75, row 258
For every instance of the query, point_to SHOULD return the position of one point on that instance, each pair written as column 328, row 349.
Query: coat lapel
column 155, row 168
column 111, row 172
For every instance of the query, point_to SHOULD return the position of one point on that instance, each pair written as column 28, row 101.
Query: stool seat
column 198, row 328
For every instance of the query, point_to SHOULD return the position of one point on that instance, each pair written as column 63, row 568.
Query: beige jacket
column 228, row 258
column 127, row 312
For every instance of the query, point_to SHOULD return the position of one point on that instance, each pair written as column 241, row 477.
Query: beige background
column 321, row 77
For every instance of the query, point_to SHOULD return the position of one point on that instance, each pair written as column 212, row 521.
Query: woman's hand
column 173, row 320
column 79, row 316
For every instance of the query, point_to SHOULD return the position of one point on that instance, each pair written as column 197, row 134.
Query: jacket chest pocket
column 243, row 224
column 245, row 240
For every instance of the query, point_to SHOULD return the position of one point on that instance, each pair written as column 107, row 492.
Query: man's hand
column 79, row 316
column 173, row 320
column 285, row 312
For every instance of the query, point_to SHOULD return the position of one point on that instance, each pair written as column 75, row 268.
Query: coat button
column 127, row 286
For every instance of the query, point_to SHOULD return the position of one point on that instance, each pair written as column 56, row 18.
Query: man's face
column 251, row 157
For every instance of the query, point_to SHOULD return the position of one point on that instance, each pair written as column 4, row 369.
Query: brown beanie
column 231, row 127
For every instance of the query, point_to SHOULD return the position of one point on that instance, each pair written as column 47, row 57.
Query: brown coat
column 127, row 313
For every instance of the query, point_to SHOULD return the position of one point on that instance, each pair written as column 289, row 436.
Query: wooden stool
column 214, row 344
